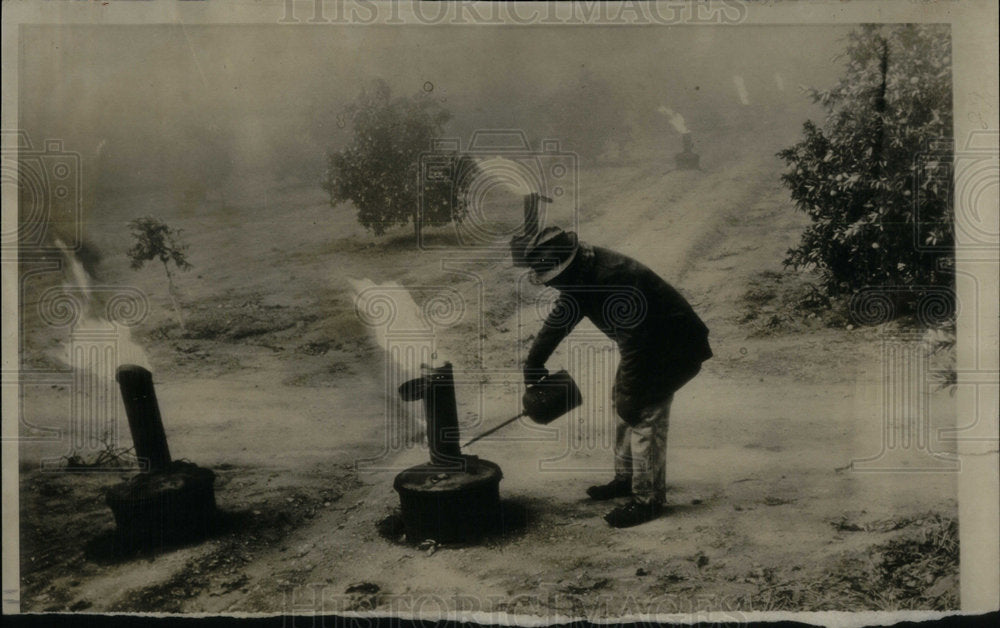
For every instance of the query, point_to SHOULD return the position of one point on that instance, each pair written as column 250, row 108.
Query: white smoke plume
column 676, row 119
column 393, row 304
column 779, row 81
column 93, row 318
column 370, row 297
column 77, row 273
column 741, row 90
column 388, row 308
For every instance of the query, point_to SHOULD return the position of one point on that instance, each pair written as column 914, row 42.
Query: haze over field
column 207, row 106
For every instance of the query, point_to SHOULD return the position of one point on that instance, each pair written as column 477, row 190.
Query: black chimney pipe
column 687, row 159
column 441, row 412
column 437, row 389
column 144, row 419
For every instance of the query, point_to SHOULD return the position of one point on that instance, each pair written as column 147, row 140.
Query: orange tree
column 379, row 170
column 875, row 178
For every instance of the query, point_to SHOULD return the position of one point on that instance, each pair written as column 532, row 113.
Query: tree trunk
column 417, row 228
column 880, row 108
column 173, row 298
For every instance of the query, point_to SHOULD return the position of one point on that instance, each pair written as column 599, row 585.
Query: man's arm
column 559, row 323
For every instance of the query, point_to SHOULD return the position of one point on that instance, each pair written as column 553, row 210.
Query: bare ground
column 277, row 386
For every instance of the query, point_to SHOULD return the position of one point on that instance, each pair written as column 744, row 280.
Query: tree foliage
column 152, row 239
column 876, row 177
column 379, row 171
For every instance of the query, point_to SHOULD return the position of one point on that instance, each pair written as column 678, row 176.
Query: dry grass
column 916, row 570
column 787, row 302
column 110, row 456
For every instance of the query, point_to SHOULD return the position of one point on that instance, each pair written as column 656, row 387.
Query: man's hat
column 550, row 252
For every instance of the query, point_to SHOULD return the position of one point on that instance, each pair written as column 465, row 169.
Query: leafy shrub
column 379, row 170
column 876, row 178
column 152, row 239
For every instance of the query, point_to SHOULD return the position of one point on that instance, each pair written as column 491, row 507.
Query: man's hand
column 534, row 374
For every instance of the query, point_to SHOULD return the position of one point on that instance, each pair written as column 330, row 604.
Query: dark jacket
column 661, row 340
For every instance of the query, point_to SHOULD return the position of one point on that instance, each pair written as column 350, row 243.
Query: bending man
column 661, row 341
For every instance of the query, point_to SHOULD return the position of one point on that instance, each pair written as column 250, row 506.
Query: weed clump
column 787, row 302
column 917, row 570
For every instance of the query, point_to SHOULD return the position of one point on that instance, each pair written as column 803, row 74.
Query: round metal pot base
column 154, row 509
column 448, row 505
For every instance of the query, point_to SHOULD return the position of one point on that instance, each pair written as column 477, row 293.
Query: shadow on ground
column 109, row 547
column 515, row 517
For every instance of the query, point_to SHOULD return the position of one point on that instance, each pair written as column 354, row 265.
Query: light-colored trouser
column 641, row 452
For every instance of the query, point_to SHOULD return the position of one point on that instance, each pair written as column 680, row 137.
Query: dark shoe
column 633, row 513
column 618, row 487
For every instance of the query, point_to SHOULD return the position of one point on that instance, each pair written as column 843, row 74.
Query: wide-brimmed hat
column 550, row 253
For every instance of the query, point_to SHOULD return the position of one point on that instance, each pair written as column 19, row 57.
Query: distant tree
column 154, row 240
column 379, row 169
column 876, row 177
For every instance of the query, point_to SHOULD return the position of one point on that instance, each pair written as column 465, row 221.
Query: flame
column 676, row 119
column 128, row 351
column 741, row 90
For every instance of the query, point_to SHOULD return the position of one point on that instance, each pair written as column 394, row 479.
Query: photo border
column 974, row 34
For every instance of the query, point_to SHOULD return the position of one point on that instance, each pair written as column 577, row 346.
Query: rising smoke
column 676, row 119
